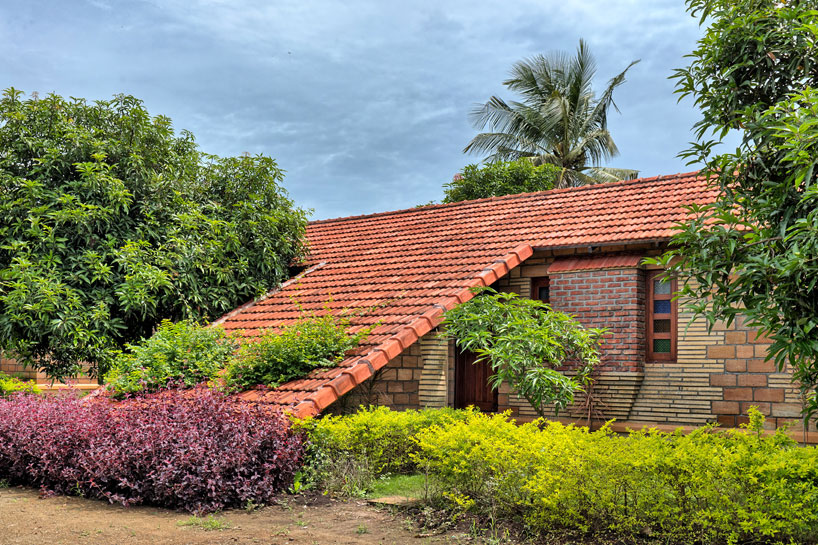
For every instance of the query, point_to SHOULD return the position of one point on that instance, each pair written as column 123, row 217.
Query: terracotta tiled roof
column 407, row 267
column 594, row 263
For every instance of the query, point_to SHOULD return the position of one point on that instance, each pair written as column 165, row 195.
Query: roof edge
column 367, row 365
column 591, row 187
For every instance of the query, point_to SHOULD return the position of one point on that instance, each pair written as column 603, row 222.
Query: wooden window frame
column 650, row 316
column 536, row 284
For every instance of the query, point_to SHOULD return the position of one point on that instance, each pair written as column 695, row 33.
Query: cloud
column 364, row 104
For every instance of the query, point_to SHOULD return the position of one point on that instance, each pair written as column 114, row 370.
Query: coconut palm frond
column 609, row 174
column 559, row 119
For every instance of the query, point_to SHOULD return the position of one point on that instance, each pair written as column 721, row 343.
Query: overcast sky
column 364, row 104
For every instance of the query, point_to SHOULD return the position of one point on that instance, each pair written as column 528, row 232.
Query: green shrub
column 10, row 385
column 372, row 442
column 526, row 342
column 706, row 487
column 280, row 356
column 179, row 354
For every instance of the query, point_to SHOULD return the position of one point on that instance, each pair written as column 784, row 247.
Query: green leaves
column 497, row 179
column 560, row 120
column 278, row 356
column 755, row 251
column 111, row 222
column 183, row 354
column 525, row 342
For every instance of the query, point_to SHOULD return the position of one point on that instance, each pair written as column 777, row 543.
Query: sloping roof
column 407, row 267
column 595, row 263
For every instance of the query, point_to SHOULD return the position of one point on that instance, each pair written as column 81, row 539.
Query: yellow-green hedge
column 10, row 385
column 377, row 435
column 706, row 487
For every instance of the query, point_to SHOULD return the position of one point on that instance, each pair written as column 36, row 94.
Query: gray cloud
column 364, row 105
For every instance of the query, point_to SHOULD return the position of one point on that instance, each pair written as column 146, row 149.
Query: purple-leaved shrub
column 196, row 450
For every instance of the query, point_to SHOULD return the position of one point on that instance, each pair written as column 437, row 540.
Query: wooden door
column 471, row 383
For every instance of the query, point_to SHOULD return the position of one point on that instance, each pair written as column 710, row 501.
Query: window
column 660, row 318
column 540, row 289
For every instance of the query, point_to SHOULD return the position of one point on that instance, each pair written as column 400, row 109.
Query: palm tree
column 559, row 121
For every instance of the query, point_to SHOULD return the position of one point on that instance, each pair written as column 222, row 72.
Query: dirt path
column 27, row 519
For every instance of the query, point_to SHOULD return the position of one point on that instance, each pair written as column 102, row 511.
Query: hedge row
column 735, row 486
column 196, row 450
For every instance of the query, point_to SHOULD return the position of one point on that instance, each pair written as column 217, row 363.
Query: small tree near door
column 525, row 342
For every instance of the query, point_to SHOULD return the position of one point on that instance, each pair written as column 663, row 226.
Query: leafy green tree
column 111, row 222
column 525, row 341
column 503, row 178
column 560, row 120
column 754, row 252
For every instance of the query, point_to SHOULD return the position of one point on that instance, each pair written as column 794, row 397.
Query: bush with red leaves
column 197, row 451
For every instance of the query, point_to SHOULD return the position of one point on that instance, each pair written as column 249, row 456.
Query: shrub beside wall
column 706, row 487
column 196, row 450
column 11, row 385
column 348, row 452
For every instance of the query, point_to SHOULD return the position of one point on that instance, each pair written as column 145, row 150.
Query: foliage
column 347, row 453
column 502, row 178
column 560, row 120
column 113, row 222
column 755, row 250
column 192, row 450
column 276, row 357
column 525, row 341
column 406, row 486
column 208, row 523
column 705, row 487
column 180, row 354
column 12, row 385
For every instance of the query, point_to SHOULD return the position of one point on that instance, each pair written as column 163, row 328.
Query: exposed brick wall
column 11, row 367
column 747, row 380
column 717, row 376
column 434, row 376
column 613, row 299
column 600, row 298
column 397, row 385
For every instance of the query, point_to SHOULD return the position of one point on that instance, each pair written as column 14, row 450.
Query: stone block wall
column 746, row 379
column 418, row 377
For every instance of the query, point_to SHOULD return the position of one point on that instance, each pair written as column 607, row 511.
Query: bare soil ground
column 28, row 519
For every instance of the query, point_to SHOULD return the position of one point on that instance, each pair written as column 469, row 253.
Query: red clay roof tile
column 594, row 263
column 402, row 269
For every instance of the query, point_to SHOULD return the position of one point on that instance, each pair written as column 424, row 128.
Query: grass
column 407, row 486
column 208, row 523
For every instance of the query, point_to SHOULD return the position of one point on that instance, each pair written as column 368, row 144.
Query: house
column 579, row 249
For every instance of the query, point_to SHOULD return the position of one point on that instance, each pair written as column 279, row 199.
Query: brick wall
column 599, row 298
column 717, row 376
column 398, row 384
column 612, row 299
column 11, row 367
column 433, row 387
column 746, row 379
